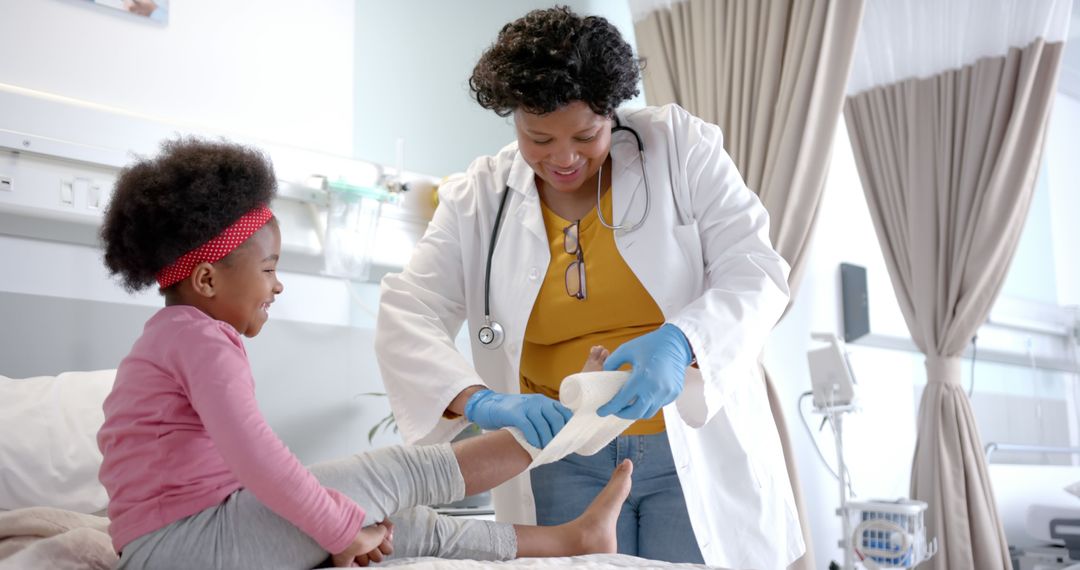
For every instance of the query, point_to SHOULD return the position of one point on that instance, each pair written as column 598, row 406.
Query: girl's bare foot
column 595, row 361
column 594, row 530
column 591, row 533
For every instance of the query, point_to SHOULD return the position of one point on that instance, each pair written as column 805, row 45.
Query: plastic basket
column 889, row 534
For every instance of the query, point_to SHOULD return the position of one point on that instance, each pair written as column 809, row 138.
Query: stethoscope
column 491, row 333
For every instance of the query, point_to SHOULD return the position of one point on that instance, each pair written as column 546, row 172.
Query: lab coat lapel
column 653, row 251
column 525, row 210
column 523, row 256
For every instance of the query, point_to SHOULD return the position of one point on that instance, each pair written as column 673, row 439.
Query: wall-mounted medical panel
column 60, row 158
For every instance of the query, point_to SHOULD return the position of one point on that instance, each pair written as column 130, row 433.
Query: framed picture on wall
column 157, row 10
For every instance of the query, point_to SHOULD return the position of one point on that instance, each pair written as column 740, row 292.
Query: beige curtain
column 948, row 165
column 771, row 74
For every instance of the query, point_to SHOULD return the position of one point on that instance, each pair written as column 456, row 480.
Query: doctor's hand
column 536, row 415
column 659, row 360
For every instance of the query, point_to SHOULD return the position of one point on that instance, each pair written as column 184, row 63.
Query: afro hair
column 553, row 57
column 166, row 206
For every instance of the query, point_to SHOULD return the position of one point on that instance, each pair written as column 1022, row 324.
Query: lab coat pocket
column 746, row 426
column 688, row 240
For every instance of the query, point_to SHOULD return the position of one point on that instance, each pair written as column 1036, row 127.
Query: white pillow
column 48, row 440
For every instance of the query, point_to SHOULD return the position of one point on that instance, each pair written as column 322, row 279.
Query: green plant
column 382, row 425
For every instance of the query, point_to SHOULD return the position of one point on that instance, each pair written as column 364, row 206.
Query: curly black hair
column 553, row 57
column 164, row 207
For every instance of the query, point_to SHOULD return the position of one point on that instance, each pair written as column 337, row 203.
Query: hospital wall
column 281, row 73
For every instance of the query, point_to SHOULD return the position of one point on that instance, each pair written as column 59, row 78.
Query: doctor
column 629, row 229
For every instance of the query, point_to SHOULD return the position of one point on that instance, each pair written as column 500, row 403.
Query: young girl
column 195, row 476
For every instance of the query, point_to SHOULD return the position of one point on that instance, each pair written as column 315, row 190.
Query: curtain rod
column 984, row 354
column 994, row 446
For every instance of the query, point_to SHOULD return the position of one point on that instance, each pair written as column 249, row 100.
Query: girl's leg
column 422, row 532
column 394, row 479
column 391, row 479
column 240, row 532
column 489, row 460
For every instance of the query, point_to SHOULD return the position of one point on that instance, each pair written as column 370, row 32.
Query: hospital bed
column 1041, row 518
column 51, row 504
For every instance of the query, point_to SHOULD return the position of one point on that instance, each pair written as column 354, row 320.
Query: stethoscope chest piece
column 490, row 335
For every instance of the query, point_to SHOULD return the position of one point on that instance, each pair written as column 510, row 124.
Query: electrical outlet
column 94, row 195
column 67, row 192
column 6, row 184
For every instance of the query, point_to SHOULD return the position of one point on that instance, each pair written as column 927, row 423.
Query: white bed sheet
column 587, row 562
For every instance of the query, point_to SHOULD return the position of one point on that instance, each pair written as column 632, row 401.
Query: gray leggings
column 397, row 481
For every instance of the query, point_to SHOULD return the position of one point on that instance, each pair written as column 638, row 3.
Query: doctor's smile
column 565, row 147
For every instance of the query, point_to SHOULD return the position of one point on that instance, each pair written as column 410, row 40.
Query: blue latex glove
column 659, row 360
column 536, row 415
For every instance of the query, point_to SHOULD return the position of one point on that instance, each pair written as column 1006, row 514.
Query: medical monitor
column 830, row 373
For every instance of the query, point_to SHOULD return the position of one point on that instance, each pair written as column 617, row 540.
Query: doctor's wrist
column 475, row 400
column 683, row 343
column 456, row 408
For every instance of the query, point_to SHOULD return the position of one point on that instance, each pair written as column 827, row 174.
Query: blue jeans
column 653, row 523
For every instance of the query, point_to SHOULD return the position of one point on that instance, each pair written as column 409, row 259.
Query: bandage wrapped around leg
column 586, row 433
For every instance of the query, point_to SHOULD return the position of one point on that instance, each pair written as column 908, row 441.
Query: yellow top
column 562, row 328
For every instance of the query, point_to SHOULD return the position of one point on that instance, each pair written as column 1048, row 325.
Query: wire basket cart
column 889, row 534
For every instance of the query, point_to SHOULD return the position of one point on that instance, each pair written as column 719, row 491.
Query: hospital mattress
column 1039, row 517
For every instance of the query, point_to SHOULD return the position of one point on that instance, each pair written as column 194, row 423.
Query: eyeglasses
column 575, row 272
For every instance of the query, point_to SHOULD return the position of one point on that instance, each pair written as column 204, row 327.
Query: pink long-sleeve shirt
column 183, row 431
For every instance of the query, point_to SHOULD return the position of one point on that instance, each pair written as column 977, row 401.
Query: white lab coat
column 703, row 254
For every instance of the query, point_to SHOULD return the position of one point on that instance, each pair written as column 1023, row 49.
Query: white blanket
column 44, row 537
column 586, row 433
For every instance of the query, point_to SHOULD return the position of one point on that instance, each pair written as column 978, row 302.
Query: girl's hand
column 386, row 547
column 369, row 539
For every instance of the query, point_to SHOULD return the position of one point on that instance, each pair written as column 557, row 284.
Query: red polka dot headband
column 212, row 251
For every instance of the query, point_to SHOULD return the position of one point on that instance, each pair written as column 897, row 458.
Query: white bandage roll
column 586, row 433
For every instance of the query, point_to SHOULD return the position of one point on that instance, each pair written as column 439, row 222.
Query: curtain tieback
column 943, row 369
